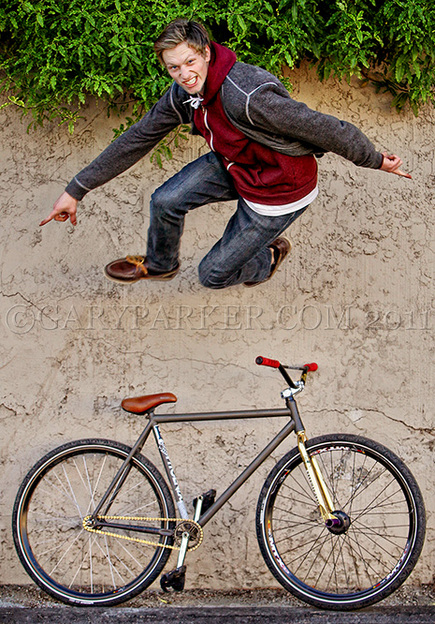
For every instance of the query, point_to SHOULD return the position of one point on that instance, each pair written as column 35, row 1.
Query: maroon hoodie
column 260, row 174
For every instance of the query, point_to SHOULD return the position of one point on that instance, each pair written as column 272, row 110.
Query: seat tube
column 173, row 481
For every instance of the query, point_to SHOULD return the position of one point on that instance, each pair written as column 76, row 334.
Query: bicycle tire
column 378, row 551
column 65, row 560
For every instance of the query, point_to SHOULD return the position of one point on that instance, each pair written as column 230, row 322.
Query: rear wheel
column 383, row 533
column 64, row 559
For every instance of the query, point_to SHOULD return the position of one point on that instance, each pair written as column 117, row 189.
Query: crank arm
column 183, row 550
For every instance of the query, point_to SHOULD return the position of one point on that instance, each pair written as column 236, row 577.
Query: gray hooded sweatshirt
column 256, row 103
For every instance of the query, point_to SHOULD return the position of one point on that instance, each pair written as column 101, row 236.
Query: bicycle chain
column 138, row 539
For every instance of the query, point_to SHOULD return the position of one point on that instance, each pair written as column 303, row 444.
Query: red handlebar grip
column 311, row 367
column 262, row 361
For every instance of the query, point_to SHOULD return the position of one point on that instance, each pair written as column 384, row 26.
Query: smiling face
column 187, row 67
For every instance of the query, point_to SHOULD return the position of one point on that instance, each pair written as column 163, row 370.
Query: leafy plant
column 54, row 54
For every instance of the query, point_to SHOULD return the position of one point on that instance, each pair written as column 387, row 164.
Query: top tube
column 231, row 415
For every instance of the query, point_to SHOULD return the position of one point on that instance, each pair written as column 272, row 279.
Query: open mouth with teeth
column 192, row 82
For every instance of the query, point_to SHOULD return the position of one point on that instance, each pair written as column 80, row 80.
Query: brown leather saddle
column 143, row 404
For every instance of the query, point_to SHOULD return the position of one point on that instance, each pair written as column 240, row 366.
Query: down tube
column 244, row 476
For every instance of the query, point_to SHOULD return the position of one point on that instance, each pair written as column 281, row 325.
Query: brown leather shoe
column 280, row 249
column 134, row 268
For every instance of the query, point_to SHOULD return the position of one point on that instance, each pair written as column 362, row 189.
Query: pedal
column 207, row 500
column 174, row 579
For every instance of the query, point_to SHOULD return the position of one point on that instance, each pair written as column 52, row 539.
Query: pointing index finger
column 399, row 172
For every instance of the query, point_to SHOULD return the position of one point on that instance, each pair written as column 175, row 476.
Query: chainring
column 192, row 528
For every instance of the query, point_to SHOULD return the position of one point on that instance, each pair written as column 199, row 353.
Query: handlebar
column 311, row 367
column 262, row 361
column 306, row 368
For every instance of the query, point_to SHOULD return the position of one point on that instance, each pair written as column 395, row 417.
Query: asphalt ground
column 27, row 605
column 215, row 615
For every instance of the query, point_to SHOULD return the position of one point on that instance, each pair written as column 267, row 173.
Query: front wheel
column 65, row 560
column 368, row 559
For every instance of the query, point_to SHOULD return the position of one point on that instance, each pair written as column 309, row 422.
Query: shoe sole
column 164, row 278
column 278, row 264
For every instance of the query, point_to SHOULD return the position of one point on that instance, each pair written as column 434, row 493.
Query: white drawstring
column 194, row 101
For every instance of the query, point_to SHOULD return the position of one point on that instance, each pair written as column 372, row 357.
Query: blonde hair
column 182, row 31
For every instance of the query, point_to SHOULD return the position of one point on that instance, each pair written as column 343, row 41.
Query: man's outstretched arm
column 123, row 153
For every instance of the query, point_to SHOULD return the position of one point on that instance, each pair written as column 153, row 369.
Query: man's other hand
column 64, row 208
column 392, row 163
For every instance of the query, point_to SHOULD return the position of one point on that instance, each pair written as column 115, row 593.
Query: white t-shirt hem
column 276, row 211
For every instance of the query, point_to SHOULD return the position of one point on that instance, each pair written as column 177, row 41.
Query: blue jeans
column 241, row 255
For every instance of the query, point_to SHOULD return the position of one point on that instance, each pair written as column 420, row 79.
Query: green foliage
column 164, row 148
column 56, row 53
column 389, row 42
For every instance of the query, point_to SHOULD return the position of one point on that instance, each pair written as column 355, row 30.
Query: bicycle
column 340, row 519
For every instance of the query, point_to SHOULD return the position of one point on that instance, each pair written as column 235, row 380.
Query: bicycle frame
column 294, row 424
column 155, row 420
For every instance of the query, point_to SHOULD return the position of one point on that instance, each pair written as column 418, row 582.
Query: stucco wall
column 356, row 296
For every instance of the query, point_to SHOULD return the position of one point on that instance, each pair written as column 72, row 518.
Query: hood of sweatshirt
column 222, row 60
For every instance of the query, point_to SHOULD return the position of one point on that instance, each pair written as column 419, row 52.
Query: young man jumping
column 263, row 147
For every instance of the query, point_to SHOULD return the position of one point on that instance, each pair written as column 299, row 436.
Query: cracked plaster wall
column 356, row 296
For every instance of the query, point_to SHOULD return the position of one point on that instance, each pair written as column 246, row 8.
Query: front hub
column 339, row 524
